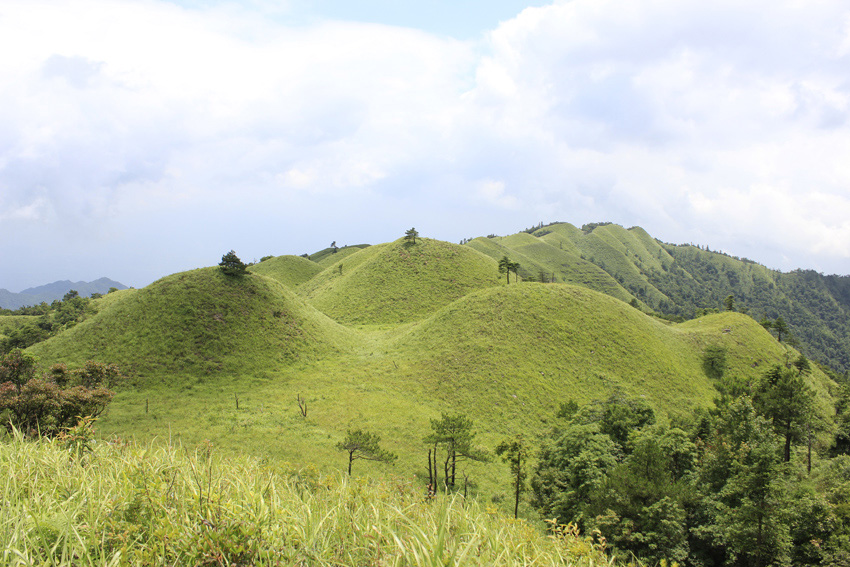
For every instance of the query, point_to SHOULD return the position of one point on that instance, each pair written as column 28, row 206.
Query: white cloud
column 717, row 121
column 493, row 192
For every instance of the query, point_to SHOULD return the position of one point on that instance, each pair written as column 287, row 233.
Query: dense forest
column 745, row 483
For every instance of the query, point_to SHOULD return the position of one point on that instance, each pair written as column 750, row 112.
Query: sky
column 139, row 138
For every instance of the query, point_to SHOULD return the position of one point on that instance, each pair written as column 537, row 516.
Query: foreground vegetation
column 73, row 501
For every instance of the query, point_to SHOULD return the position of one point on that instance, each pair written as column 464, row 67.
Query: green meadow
column 387, row 338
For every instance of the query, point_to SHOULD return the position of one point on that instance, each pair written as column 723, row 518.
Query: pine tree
column 364, row 445
column 410, row 236
column 231, row 265
column 515, row 452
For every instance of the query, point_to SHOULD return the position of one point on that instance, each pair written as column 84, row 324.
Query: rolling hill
column 681, row 280
column 291, row 271
column 200, row 322
column 397, row 283
column 390, row 336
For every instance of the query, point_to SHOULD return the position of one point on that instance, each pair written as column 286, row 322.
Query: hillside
column 520, row 350
column 200, row 322
column 291, row 271
column 397, row 283
column 680, row 280
column 330, row 256
column 391, row 336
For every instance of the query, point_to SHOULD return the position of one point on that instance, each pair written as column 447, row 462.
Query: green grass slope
column 291, row 271
column 328, row 257
column 551, row 257
column 506, row 356
column 520, row 350
column 397, row 283
column 200, row 322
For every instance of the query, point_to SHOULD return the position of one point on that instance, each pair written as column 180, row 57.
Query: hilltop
column 199, row 322
column 398, row 282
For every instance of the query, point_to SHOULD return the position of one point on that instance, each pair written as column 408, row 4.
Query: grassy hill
column 200, row 322
column 520, row 350
column 291, row 271
column 506, row 356
column 396, row 283
column 557, row 264
column 679, row 280
column 390, row 336
column 328, row 256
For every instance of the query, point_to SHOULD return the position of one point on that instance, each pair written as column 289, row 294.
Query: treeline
column 745, row 483
column 46, row 320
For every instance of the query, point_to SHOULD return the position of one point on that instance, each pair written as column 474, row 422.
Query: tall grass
column 162, row 504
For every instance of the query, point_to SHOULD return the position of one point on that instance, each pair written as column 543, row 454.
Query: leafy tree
column 410, row 236
column 46, row 405
column 364, row 445
column 566, row 410
column 729, row 302
column 43, row 407
column 783, row 396
column 642, row 505
column 23, row 337
column 17, row 367
column 780, row 326
column 515, row 452
column 71, row 310
column 617, row 417
column 741, row 516
column 71, row 295
column 573, row 463
column 231, row 265
column 97, row 374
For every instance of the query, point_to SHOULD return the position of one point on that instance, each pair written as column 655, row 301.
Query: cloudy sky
column 143, row 137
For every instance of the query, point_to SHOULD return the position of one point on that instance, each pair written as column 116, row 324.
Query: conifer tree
column 364, row 445
column 231, row 265
column 515, row 452
column 410, row 236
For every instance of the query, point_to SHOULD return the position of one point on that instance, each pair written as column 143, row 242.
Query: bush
column 45, row 406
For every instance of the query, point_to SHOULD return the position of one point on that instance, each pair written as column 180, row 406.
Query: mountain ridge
column 55, row 290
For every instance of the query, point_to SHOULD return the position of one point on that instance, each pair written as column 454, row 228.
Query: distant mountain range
column 55, row 290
